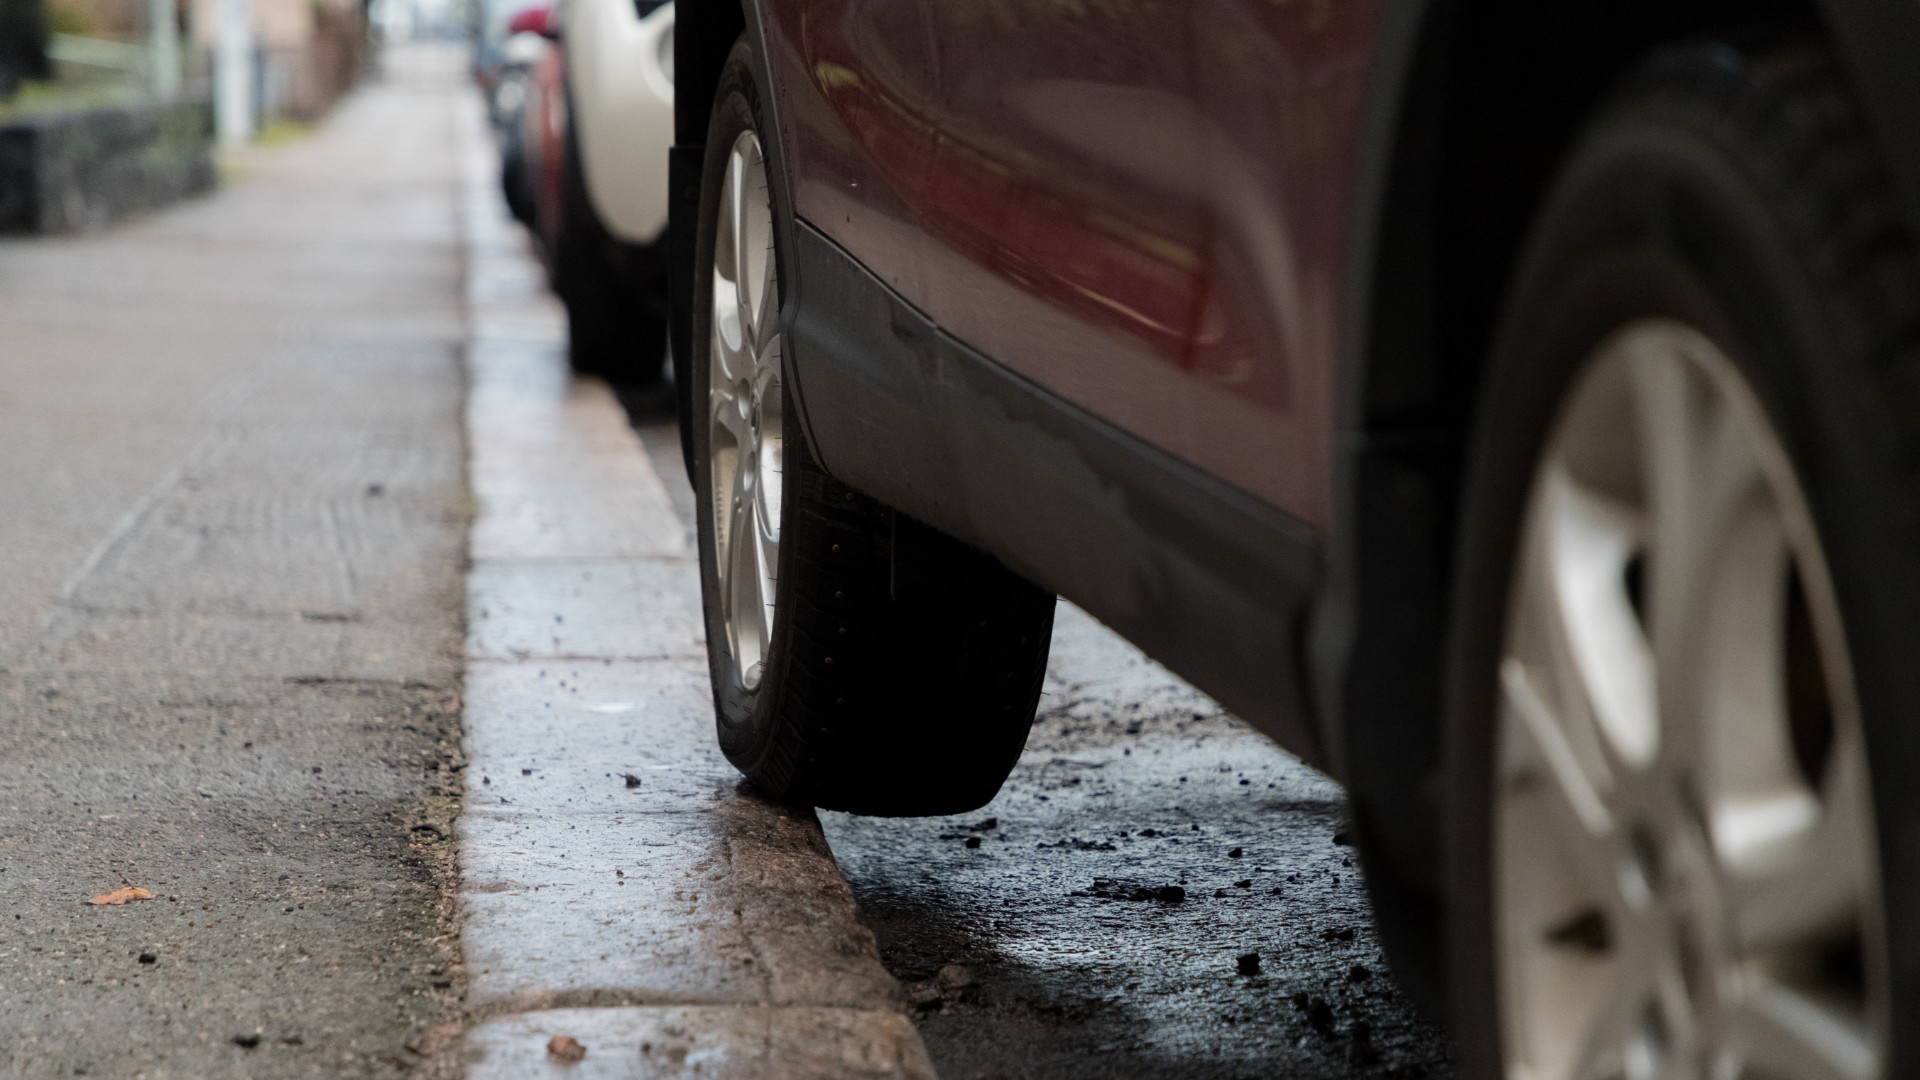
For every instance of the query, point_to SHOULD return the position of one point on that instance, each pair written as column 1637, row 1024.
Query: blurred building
column 124, row 20
column 309, row 51
column 108, row 107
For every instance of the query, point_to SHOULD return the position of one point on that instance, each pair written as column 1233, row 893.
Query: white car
column 620, row 75
column 607, row 248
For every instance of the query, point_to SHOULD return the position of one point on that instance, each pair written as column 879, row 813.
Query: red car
column 1513, row 409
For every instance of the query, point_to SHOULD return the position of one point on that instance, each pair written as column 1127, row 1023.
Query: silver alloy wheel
column 745, row 409
column 1686, row 878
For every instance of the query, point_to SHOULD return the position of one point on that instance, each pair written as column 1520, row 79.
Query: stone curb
column 714, row 1043
column 620, row 888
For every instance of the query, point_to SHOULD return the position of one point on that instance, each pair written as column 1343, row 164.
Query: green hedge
column 23, row 43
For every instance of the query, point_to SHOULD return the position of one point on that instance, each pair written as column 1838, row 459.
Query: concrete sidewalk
column 233, row 518
column 620, row 888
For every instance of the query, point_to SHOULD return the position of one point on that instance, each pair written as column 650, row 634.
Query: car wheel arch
column 706, row 34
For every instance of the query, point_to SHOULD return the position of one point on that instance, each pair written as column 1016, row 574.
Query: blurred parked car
column 620, row 82
column 593, row 135
column 1514, row 409
column 490, row 60
column 526, row 46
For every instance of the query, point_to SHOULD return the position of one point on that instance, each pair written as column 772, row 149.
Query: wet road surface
column 1102, row 916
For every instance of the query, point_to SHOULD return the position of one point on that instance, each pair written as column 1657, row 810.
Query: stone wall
column 65, row 171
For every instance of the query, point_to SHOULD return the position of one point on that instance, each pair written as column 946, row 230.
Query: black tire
column 1733, row 189
column 516, row 181
column 615, row 292
column 904, row 667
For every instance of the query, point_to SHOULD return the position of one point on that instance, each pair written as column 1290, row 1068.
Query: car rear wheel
column 860, row 661
column 1691, row 567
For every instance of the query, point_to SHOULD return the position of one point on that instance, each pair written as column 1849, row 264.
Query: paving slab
column 601, row 608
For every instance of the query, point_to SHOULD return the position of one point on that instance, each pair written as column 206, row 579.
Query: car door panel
column 1282, row 90
column 856, row 85
column 1206, row 579
column 1046, row 284
column 1137, row 204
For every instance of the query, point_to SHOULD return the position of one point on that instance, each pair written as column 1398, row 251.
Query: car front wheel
column 1681, row 688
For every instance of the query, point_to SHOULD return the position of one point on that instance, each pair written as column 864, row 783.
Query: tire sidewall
column 1647, row 222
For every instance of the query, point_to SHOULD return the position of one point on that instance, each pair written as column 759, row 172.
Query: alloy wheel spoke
column 1717, row 664
column 726, row 408
column 1792, row 1034
column 766, row 545
column 726, row 413
column 1699, row 468
column 770, row 393
column 730, row 338
column 768, row 487
column 753, row 254
column 1805, row 871
column 1669, row 409
column 744, row 575
column 732, row 358
column 766, row 368
column 749, row 264
column 733, row 208
column 1597, row 648
column 1573, row 801
column 766, row 320
column 1612, row 1041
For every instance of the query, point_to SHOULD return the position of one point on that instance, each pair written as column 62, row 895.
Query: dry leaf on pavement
column 121, row 896
column 565, row 1048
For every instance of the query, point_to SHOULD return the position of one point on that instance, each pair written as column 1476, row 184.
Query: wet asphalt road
column 1041, row 939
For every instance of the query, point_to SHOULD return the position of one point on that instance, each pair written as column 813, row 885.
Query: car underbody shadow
column 1157, row 892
